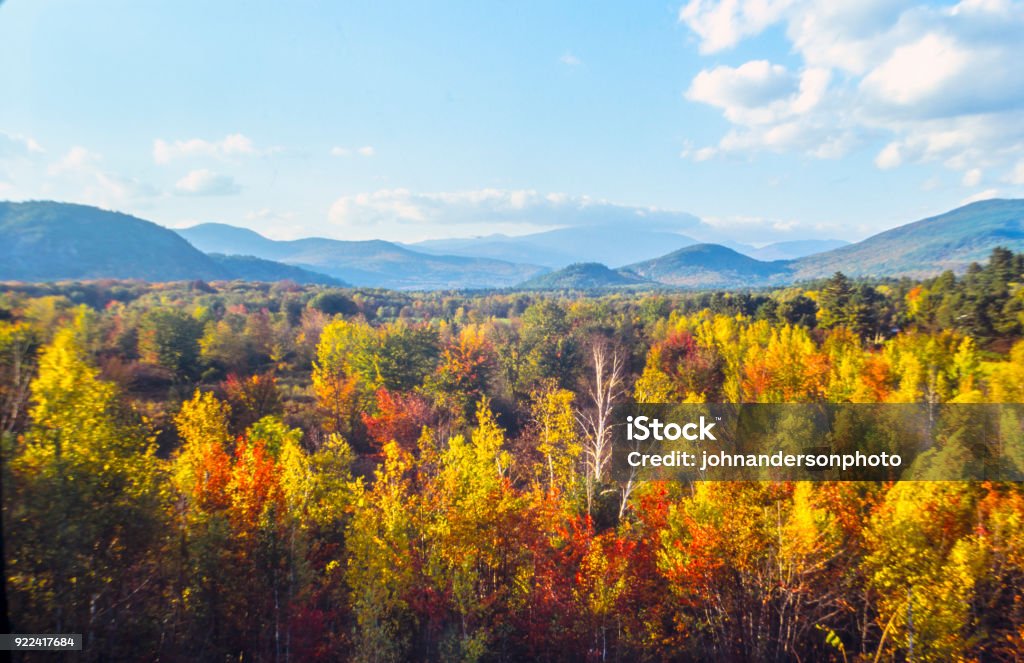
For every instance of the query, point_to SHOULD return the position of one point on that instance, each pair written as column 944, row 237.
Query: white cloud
column 77, row 159
column 267, row 214
column 206, row 183
column 80, row 174
column 494, row 210
column 1017, row 175
column 972, row 177
column 934, row 83
column 889, row 157
column 721, row 25
column 405, row 215
column 570, row 60
column 16, row 145
column 916, row 71
column 987, row 194
column 758, row 230
column 365, row 151
column 232, row 145
column 745, row 93
column 114, row 190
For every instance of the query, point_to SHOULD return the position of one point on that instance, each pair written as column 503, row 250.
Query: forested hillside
column 280, row 472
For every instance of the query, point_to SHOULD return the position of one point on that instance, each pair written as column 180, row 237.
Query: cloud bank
column 231, row 146
column 206, row 183
column 404, row 215
column 927, row 83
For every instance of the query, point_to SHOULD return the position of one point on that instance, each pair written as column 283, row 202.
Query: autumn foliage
column 427, row 479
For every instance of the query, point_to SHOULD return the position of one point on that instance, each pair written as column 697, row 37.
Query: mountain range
column 949, row 241
column 49, row 241
column 606, row 244
column 45, row 241
column 372, row 263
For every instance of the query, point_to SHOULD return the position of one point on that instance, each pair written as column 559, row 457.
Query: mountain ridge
column 368, row 263
column 923, row 248
column 561, row 247
column 584, row 276
column 53, row 241
column 48, row 240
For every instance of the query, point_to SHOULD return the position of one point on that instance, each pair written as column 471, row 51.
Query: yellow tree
column 1006, row 382
column 86, row 508
column 924, row 562
column 477, row 522
column 382, row 561
column 558, row 441
column 342, row 390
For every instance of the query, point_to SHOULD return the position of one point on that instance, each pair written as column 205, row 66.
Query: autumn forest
column 274, row 472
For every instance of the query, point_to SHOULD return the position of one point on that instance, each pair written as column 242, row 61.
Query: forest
column 271, row 472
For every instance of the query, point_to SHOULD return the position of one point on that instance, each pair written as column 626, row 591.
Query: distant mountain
column 583, row 276
column 231, row 240
column 606, row 244
column 924, row 248
column 45, row 241
column 248, row 268
column 49, row 241
column 793, row 249
column 372, row 263
column 710, row 266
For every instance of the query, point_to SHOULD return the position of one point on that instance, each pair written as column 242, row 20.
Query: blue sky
column 768, row 119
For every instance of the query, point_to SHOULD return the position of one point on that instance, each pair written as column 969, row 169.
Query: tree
column 558, row 441
column 87, row 508
column 679, row 370
column 399, row 418
column 18, row 345
column 341, row 389
column 798, row 310
column 382, row 562
column 843, row 305
column 604, row 389
column 333, row 302
column 170, row 338
column 401, row 359
column 252, row 398
column 550, row 350
column 464, row 373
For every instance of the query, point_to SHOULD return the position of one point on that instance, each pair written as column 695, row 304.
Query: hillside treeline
column 199, row 471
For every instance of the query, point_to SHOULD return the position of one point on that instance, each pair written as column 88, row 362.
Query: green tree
column 170, row 338
column 549, row 347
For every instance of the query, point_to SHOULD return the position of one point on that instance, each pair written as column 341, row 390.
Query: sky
column 768, row 120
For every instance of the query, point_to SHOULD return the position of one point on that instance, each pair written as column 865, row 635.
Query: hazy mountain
column 248, row 268
column 53, row 241
column 924, row 248
column 609, row 245
column 790, row 250
column 583, row 276
column 373, row 263
column 710, row 266
column 231, row 240
column 49, row 241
